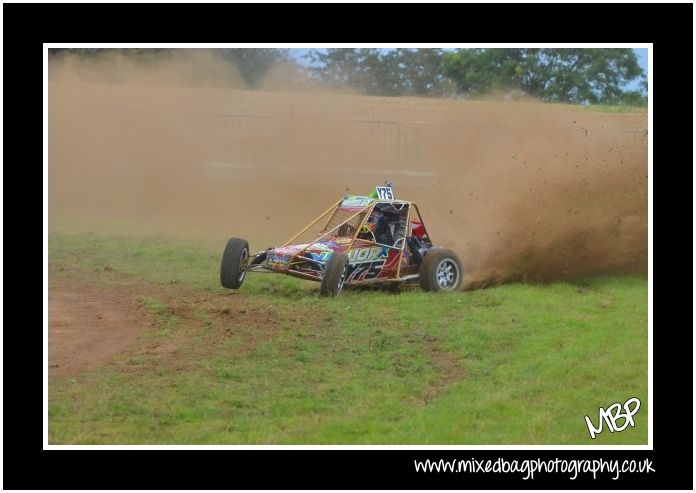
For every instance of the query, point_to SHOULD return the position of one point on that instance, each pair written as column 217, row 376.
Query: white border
column 45, row 242
column 650, row 247
column 349, row 45
column 649, row 446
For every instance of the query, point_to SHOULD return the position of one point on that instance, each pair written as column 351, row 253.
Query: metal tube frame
column 367, row 210
column 293, row 259
column 314, row 222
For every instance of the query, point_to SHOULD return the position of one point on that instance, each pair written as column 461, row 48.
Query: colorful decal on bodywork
column 373, row 262
column 364, row 271
column 360, row 255
column 319, row 252
column 288, row 250
column 277, row 261
column 320, row 257
column 355, row 201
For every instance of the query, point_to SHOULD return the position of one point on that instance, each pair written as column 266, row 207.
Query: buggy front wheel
column 235, row 260
column 335, row 275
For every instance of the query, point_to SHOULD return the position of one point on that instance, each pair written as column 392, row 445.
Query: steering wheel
column 364, row 231
column 396, row 243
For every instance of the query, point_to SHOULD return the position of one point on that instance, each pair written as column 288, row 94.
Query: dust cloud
column 521, row 191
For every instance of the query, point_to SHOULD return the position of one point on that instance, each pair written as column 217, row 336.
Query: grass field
column 276, row 364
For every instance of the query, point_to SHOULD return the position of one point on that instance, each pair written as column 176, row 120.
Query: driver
column 378, row 225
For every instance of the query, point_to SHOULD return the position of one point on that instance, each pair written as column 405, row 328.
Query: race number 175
column 385, row 193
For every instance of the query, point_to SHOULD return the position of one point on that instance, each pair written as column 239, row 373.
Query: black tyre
column 234, row 263
column 440, row 270
column 335, row 274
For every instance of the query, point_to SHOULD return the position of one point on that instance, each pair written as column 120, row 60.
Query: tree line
column 563, row 75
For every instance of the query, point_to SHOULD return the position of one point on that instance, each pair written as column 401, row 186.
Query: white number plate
column 385, row 193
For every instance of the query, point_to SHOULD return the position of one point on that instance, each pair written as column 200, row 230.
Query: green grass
column 155, row 259
column 606, row 108
column 514, row 364
column 598, row 108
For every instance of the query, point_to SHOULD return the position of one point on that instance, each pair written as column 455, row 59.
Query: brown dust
column 521, row 191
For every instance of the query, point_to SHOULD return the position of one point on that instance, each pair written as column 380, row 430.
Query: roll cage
column 346, row 219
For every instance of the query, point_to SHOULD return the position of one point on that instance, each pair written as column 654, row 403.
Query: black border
column 26, row 26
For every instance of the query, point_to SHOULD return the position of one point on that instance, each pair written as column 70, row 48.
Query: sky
column 642, row 57
column 643, row 62
column 641, row 52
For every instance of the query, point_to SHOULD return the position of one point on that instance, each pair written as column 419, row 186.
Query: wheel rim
column 342, row 280
column 447, row 274
column 243, row 261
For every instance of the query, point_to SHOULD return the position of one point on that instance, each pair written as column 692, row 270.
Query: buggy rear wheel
column 440, row 270
column 335, row 274
column 235, row 260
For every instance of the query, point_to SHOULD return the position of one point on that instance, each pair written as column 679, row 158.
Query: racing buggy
column 373, row 239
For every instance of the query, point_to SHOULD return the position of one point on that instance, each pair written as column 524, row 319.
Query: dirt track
column 519, row 190
column 93, row 318
column 87, row 325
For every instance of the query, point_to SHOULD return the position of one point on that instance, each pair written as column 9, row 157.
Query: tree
column 138, row 54
column 254, row 63
column 570, row 75
column 420, row 71
column 355, row 67
column 381, row 72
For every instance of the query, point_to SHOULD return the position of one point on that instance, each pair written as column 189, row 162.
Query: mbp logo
column 612, row 414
